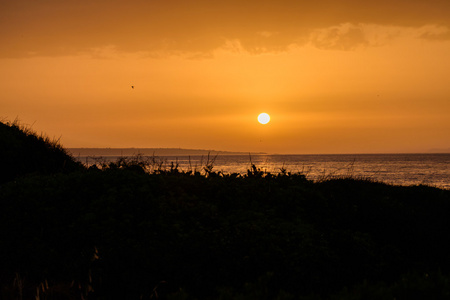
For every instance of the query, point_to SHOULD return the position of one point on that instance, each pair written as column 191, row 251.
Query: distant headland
column 149, row 152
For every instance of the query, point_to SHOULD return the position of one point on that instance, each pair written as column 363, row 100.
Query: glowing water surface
column 399, row 169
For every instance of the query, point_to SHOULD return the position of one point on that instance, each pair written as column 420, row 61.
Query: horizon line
column 255, row 152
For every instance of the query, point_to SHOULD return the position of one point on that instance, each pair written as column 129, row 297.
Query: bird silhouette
column 132, row 86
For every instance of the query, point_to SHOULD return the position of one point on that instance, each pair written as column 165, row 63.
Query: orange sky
column 335, row 76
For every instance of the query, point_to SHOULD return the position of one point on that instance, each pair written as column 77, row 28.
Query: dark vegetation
column 119, row 231
column 23, row 152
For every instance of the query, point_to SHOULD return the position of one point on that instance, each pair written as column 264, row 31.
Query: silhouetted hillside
column 23, row 152
column 122, row 231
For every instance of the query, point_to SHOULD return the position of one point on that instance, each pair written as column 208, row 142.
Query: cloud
column 436, row 33
column 343, row 37
column 53, row 27
column 352, row 36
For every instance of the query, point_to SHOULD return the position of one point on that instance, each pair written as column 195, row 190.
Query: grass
column 140, row 229
column 22, row 151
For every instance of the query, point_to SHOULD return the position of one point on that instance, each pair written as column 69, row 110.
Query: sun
column 263, row 118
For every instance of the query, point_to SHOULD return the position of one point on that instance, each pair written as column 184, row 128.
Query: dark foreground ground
column 119, row 232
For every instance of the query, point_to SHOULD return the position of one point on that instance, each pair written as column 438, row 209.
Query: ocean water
column 398, row 169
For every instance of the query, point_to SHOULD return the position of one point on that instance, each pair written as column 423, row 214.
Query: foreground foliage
column 121, row 233
column 117, row 231
column 22, row 152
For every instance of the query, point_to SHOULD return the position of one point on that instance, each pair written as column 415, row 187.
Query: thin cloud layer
column 52, row 28
column 345, row 37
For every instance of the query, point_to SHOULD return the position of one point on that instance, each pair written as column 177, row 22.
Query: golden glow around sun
column 263, row 118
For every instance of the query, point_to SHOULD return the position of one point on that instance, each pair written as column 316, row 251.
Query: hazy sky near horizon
column 335, row 76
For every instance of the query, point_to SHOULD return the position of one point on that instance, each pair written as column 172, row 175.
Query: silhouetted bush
column 23, row 152
column 119, row 231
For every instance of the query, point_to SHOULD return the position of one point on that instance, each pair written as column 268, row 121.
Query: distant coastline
column 440, row 150
column 127, row 152
column 149, row 152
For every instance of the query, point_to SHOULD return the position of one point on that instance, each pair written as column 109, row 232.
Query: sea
column 397, row 169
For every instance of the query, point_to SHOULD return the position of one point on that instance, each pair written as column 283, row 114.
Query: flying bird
column 132, row 86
